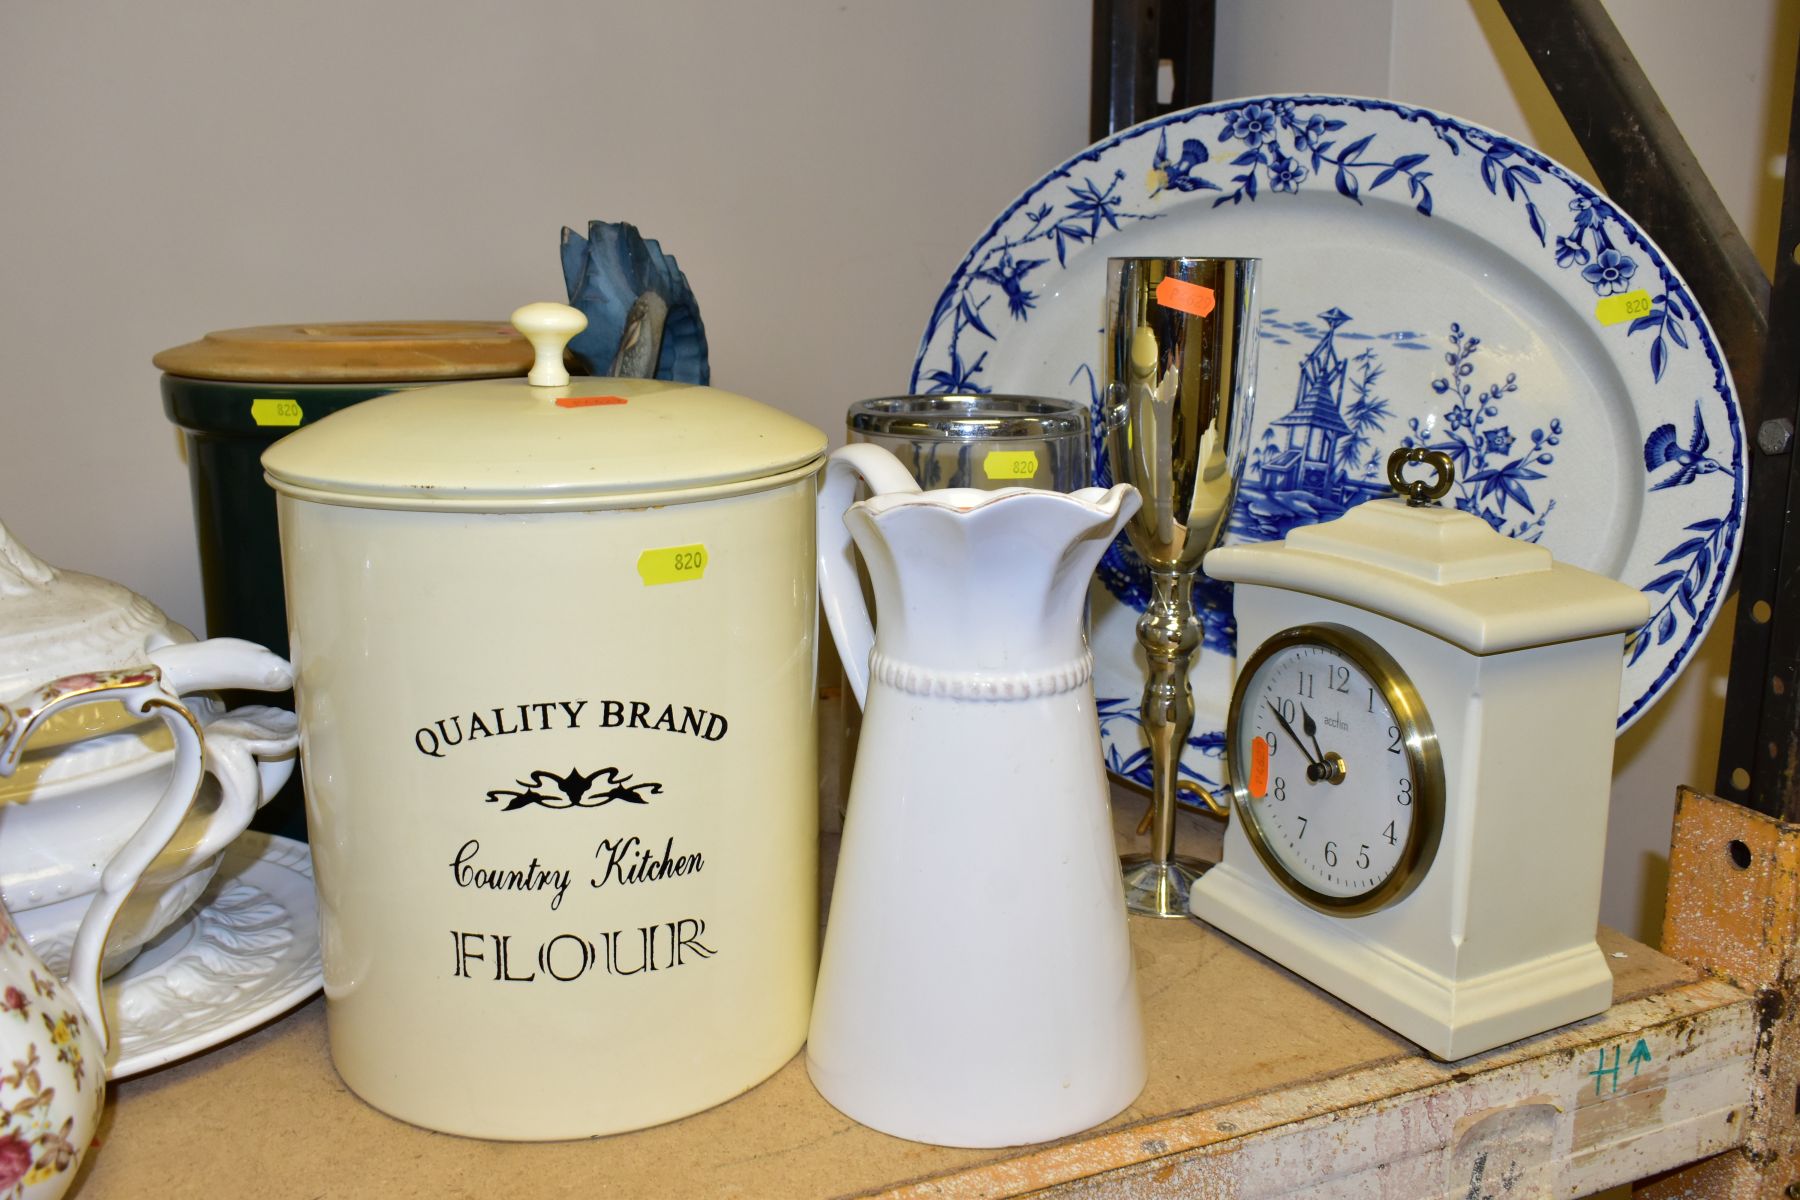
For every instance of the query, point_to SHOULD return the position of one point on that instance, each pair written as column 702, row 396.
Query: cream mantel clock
column 1421, row 740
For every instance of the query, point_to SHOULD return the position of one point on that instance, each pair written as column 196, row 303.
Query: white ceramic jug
column 977, row 986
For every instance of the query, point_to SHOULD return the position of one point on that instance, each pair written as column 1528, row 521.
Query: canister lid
column 511, row 445
column 353, row 352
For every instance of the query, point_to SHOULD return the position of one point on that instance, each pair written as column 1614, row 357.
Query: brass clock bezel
column 1424, row 763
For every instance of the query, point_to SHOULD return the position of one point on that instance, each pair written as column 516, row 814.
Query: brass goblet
column 1180, row 369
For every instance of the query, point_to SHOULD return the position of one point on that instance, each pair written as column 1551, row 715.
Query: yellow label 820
column 275, row 412
column 1626, row 307
column 672, row 564
column 1010, row 464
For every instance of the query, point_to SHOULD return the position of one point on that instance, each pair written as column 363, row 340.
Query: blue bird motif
column 1663, row 446
column 642, row 313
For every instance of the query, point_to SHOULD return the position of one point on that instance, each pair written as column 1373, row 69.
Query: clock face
column 1340, row 787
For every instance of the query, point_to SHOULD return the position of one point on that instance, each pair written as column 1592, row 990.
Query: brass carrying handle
column 1417, row 492
column 1207, row 801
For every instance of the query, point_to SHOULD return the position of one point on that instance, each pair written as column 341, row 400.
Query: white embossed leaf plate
column 247, row 951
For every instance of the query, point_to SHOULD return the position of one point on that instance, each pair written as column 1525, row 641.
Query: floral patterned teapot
column 53, row 1035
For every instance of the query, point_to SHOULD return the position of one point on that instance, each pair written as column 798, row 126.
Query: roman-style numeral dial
column 1335, row 772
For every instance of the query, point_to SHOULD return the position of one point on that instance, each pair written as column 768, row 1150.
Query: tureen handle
column 142, row 692
column 221, row 662
column 846, row 612
column 249, row 750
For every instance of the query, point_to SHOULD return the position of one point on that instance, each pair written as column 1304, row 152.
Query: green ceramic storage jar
column 235, row 392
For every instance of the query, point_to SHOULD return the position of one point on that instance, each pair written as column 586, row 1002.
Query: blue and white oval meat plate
column 1424, row 281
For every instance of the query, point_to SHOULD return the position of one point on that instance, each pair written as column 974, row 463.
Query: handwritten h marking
column 1602, row 1071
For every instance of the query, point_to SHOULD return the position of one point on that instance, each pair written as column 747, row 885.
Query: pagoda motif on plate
column 1316, row 434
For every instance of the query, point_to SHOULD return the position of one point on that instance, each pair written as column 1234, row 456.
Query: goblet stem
column 1169, row 635
column 1157, row 884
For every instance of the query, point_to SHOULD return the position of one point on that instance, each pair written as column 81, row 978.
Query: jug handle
column 846, row 612
column 142, row 692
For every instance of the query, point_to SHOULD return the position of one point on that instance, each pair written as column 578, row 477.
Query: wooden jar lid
column 353, row 352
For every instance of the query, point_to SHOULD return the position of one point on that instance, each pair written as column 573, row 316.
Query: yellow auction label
column 1010, row 464
column 1628, row 306
column 275, row 412
column 672, row 564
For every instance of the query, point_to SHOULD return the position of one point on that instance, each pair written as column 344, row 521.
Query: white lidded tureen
column 89, row 776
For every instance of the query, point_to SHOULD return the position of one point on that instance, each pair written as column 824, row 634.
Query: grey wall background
column 818, row 167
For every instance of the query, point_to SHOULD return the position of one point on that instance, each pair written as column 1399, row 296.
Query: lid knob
column 548, row 327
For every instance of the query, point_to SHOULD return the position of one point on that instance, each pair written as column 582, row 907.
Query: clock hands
column 1315, row 766
column 1329, row 766
column 1312, row 731
column 1321, row 766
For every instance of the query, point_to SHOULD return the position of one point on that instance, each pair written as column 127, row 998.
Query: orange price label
column 587, row 401
column 1186, row 297
column 1259, row 768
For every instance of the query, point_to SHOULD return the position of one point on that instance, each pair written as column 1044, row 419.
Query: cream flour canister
column 554, row 643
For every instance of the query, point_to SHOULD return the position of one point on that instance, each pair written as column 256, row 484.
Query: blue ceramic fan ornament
column 643, row 320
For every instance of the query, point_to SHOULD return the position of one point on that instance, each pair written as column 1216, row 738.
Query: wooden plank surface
column 1260, row 1085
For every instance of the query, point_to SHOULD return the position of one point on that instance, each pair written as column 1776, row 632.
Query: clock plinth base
column 1449, row 1018
column 1154, row 889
